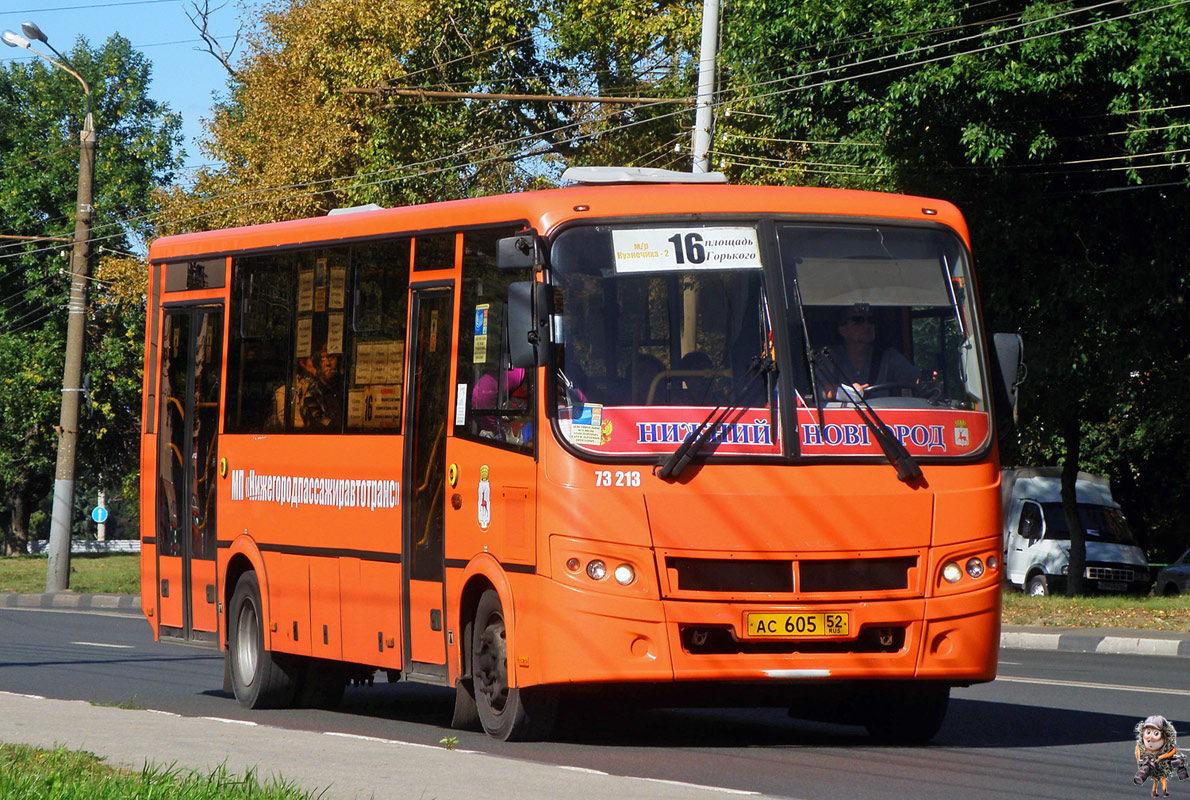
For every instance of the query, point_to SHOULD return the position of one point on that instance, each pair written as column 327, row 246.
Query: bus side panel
column 203, row 596
column 324, row 512
column 325, row 620
column 380, row 613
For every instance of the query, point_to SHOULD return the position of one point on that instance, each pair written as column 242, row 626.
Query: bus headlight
column 624, row 574
column 951, row 572
column 596, row 570
column 974, row 567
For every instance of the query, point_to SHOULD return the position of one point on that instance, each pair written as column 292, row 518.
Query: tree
column 1060, row 133
column 41, row 111
column 310, row 122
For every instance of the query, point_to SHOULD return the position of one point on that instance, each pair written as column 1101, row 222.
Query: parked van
column 1037, row 541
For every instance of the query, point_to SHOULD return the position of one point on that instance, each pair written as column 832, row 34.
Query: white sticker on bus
column 668, row 249
column 295, row 491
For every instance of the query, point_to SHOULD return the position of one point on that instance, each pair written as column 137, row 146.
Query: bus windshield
column 656, row 326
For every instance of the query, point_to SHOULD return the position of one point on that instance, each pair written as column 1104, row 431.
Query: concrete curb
column 1012, row 637
column 72, row 601
column 1097, row 640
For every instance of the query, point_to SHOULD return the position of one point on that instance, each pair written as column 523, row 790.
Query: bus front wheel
column 505, row 712
column 259, row 677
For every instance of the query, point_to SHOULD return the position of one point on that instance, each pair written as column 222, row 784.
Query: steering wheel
column 889, row 386
column 929, row 390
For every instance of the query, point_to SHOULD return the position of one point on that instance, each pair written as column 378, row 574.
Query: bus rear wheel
column 505, row 712
column 259, row 677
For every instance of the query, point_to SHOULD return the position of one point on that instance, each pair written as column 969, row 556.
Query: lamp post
column 58, row 572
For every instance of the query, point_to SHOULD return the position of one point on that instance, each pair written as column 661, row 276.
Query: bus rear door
column 428, row 399
column 187, row 467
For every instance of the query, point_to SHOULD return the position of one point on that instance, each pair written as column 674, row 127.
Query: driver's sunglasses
column 862, row 319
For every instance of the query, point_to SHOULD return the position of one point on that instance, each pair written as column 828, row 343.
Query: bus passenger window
column 375, row 361
column 499, row 399
column 258, row 354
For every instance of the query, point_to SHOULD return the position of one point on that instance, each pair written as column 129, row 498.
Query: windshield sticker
column 479, row 354
column 670, row 249
column 641, row 430
column 587, row 426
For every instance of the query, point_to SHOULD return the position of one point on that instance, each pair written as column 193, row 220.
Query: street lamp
column 58, row 572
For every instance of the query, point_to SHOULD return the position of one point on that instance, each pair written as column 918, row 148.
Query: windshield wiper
column 896, row 453
column 670, row 467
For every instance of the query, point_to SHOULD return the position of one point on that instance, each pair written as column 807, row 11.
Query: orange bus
column 617, row 437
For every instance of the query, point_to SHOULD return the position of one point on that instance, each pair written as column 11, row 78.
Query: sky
column 183, row 78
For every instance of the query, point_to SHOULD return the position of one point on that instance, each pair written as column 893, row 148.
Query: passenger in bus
column 860, row 362
column 645, row 368
column 489, row 412
column 321, row 407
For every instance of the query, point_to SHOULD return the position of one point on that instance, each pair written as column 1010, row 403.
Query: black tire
column 1037, row 586
column 506, row 713
column 1170, row 590
column 259, row 677
column 908, row 714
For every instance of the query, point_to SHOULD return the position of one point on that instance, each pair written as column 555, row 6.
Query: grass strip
column 1103, row 611
column 118, row 574
column 36, row 774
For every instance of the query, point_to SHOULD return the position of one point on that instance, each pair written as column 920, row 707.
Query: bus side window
column 499, row 400
column 375, row 367
column 259, row 353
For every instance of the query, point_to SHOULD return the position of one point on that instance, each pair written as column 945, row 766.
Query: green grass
column 34, row 774
column 119, row 574
column 1107, row 611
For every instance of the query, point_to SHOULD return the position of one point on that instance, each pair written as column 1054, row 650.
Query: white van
column 1037, row 541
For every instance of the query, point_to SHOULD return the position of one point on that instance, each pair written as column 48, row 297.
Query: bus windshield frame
column 659, row 322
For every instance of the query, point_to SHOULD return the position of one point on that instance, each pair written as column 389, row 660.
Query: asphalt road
column 1055, row 724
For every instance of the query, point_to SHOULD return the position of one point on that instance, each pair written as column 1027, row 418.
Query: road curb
column 73, row 601
column 1124, row 642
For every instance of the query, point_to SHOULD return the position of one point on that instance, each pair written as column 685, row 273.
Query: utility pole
column 57, row 577
column 701, row 145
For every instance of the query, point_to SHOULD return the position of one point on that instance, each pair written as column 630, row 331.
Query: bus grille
column 716, row 640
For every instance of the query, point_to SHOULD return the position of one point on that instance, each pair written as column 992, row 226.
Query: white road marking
column 1082, row 685
column 104, row 644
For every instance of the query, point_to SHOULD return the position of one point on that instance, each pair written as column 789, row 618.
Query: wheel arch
column 245, row 557
column 482, row 574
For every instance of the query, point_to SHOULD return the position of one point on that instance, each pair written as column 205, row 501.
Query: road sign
column 99, row 514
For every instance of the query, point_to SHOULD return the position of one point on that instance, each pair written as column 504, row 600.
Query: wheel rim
column 1036, row 589
column 491, row 665
column 247, row 625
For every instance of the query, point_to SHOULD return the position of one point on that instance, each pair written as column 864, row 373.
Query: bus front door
column 428, row 401
column 187, row 463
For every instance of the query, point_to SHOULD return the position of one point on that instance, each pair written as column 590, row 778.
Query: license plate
column 1112, row 586
column 788, row 625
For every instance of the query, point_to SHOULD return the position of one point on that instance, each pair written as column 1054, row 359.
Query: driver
column 859, row 361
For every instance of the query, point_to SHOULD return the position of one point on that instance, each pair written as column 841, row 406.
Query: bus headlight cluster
column 974, row 567
column 596, row 569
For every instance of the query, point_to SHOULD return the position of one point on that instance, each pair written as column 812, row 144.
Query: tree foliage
column 309, row 124
column 1061, row 133
column 41, row 114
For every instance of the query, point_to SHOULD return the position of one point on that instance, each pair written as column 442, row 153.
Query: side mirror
column 1008, row 373
column 528, row 323
column 519, row 252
